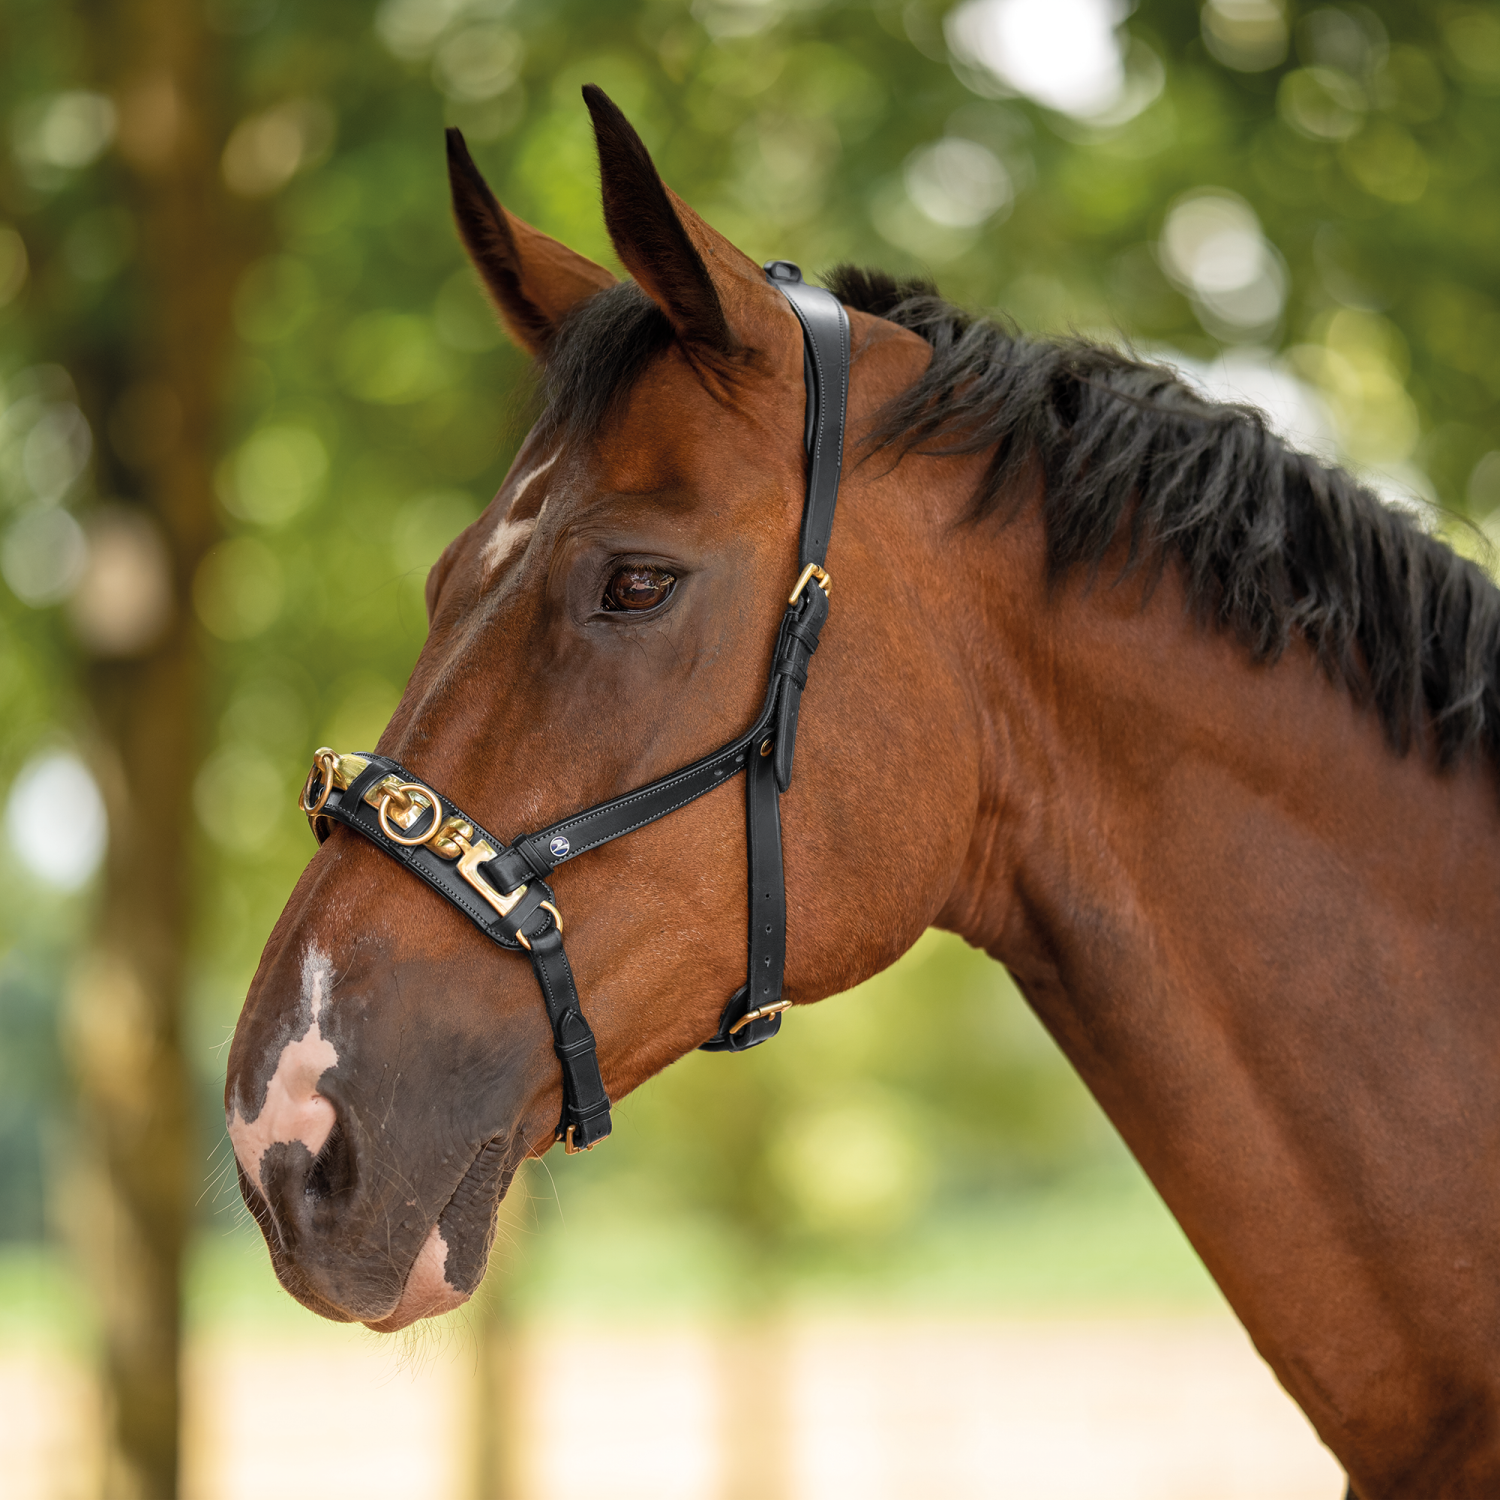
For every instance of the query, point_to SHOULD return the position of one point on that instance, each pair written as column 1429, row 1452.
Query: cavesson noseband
column 502, row 890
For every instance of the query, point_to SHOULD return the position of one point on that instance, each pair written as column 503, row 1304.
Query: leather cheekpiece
column 794, row 648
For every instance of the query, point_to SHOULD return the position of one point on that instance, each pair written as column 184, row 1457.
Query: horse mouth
column 447, row 1267
column 452, row 1259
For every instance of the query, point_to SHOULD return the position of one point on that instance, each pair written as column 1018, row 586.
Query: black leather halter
column 502, row 891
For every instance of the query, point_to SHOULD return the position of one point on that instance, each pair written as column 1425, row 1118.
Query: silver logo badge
column 559, row 847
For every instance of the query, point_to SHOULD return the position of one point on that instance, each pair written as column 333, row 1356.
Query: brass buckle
column 570, row 1149
column 759, row 1015
column 812, row 570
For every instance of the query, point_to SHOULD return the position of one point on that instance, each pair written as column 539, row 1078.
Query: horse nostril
column 332, row 1172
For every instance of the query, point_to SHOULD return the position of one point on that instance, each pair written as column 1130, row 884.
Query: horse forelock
column 600, row 351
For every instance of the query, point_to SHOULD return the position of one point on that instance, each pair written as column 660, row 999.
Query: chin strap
column 502, row 889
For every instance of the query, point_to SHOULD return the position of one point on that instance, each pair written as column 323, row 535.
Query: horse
column 1187, row 729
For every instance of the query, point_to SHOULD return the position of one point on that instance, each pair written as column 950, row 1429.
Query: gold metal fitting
column 324, row 767
column 765, row 746
column 570, row 1148
column 336, row 773
column 473, row 855
column 759, row 1015
column 408, row 797
column 812, row 570
column 445, row 842
column 556, row 917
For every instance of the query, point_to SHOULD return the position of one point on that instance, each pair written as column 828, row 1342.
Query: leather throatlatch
column 502, row 889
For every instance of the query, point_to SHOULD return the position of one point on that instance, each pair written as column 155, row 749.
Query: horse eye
column 638, row 588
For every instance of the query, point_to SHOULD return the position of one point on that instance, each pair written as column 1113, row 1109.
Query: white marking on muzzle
column 294, row 1109
column 427, row 1293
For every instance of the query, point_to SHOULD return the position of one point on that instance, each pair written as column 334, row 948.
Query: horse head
column 611, row 617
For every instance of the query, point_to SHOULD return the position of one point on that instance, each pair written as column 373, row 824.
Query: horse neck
column 1268, row 943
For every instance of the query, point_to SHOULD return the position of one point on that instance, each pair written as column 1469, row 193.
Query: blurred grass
column 42, row 1301
column 1099, row 1242
column 1094, row 1245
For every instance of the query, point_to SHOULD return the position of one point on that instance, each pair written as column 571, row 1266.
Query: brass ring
column 556, row 917
column 326, row 760
column 404, row 789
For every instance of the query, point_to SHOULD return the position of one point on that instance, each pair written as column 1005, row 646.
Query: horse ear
column 534, row 280
column 705, row 286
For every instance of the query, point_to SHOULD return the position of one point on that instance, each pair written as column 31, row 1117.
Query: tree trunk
column 755, row 1405
column 496, row 1420
column 155, row 390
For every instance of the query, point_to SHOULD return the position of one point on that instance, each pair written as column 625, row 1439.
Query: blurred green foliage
column 1307, row 196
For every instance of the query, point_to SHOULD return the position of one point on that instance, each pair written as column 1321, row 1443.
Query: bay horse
column 1188, row 730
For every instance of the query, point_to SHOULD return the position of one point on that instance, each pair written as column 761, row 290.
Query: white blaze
column 294, row 1110
column 508, row 533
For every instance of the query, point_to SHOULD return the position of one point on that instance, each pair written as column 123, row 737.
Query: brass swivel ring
column 326, row 761
column 556, row 917
column 405, row 790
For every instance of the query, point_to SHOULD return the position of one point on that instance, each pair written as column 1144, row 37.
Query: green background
column 921, row 1139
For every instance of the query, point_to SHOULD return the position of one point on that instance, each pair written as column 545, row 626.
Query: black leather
column 767, row 963
column 349, row 808
column 764, row 752
column 585, row 1102
column 825, row 340
column 611, row 820
column 794, row 648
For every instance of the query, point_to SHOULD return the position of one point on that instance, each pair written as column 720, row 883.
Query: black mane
column 1273, row 544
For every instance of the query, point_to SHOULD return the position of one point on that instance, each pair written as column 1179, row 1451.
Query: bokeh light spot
column 1247, row 35
column 55, row 820
column 67, row 130
column 1484, row 485
column 56, row 450
column 392, row 358
column 363, row 705
column 240, row 797
column 238, row 589
column 123, row 601
column 425, row 525
column 266, row 150
column 478, row 62
column 957, row 182
column 1065, row 54
column 1322, row 103
column 43, row 555
column 274, row 474
column 1212, row 247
